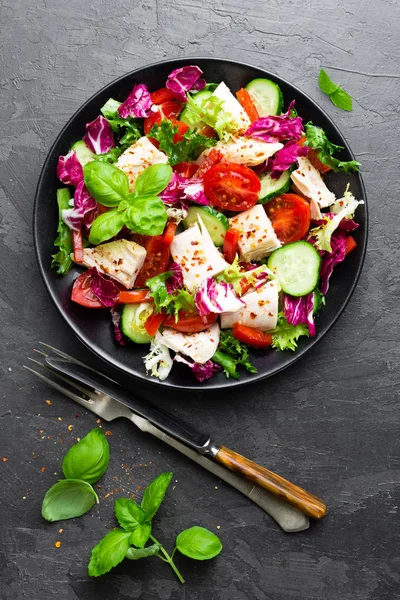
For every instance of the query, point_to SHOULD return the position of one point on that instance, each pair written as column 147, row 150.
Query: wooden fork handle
column 309, row 504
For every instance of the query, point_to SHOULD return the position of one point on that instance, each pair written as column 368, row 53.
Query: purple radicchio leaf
column 331, row 259
column 84, row 210
column 184, row 80
column 138, row 104
column 199, row 370
column 213, row 297
column 104, row 289
column 99, row 136
column 181, row 191
column 116, row 321
column 285, row 157
column 175, row 282
column 69, row 169
column 299, row 311
column 276, row 128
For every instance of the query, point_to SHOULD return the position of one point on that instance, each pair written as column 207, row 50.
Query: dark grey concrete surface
column 331, row 422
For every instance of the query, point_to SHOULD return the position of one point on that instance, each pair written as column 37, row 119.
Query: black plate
column 93, row 326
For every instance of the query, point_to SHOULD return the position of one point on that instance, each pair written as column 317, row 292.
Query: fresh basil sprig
column 83, row 465
column 141, row 211
column 135, row 521
column 338, row 96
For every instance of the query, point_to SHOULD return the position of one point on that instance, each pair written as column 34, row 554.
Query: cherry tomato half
column 166, row 110
column 182, row 129
column 231, row 186
column 82, row 293
column 162, row 95
column 187, row 169
column 251, row 336
column 290, row 217
column 190, row 322
column 156, row 261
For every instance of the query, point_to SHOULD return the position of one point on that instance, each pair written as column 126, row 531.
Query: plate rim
column 229, row 383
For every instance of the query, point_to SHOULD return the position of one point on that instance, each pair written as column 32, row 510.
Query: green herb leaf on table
column 137, row 553
column 140, row 535
column 67, row 499
column 146, row 215
column 153, row 180
column 106, row 183
column 88, row 459
column 62, row 260
column 129, row 514
column 189, row 148
column 109, row 552
column 338, row 96
column 325, row 83
column 341, row 99
column 154, row 494
column 198, row 543
column 316, row 138
column 106, row 226
column 285, row 335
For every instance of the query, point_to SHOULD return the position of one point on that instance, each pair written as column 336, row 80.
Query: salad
column 202, row 222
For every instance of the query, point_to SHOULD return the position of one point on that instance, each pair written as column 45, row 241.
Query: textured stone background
column 330, row 422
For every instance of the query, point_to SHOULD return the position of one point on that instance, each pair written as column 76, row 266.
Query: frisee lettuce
column 285, row 336
column 172, row 302
column 62, row 260
column 316, row 139
column 212, row 113
column 231, row 353
column 187, row 149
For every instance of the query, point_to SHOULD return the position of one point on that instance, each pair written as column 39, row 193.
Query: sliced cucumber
column 270, row 188
column 215, row 222
column 266, row 95
column 83, row 153
column 188, row 116
column 296, row 267
column 133, row 318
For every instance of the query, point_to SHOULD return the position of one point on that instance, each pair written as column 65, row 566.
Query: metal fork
column 288, row 517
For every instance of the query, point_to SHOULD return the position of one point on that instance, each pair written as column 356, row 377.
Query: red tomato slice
column 82, row 293
column 231, row 241
column 251, row 336
column 134, row 296
column 182, row 129
column 162, row 95
column 188, row 169
column 231, row 186
column 290, row 217
column 166, row 110
column 153, row 323
column 156, row 260
column 190, row 322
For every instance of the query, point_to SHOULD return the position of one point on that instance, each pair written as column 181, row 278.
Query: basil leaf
column 67, row 499
column 325, row 83
column 109, row 552
column 136, row 553
column 154, row 494
column 341, row 99
column 106, row 183
column 129, row 514
column 62, row 260
column 140, row 535
column 88, row 459
column 153, row 180
column 198, row 543
column 147, row 216
column 106, row 226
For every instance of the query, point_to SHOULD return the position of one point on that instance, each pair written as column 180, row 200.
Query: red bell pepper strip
column 78, row 246
column 231, row 242
column 351, row 244
column 251, row 336
column 247, row 103
column 134, row 296
column 153, row 323
column 169, row 233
